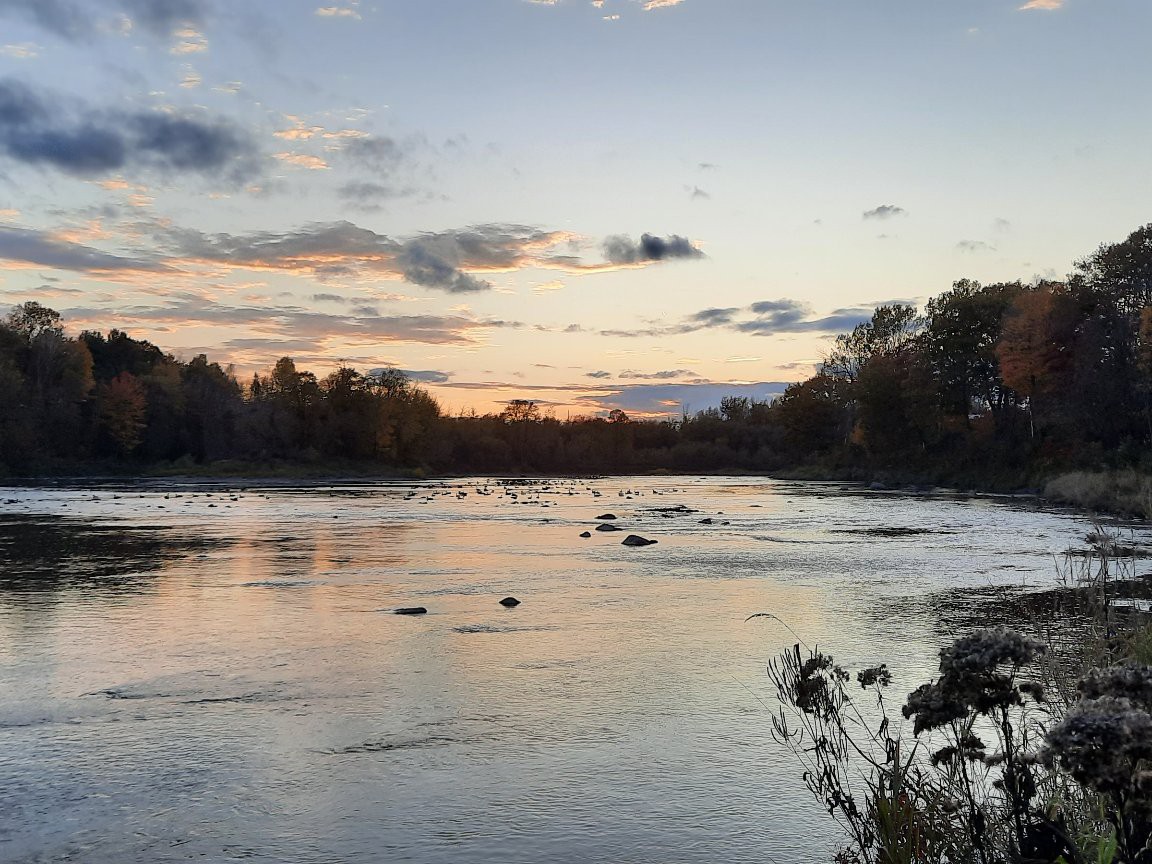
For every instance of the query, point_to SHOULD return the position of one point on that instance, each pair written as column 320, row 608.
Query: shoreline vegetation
column 1031, row 746
column 1042, row 388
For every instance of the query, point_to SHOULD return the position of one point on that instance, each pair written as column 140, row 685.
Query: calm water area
column 201, row 672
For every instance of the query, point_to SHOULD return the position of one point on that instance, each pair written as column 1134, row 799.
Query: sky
column 594, row 204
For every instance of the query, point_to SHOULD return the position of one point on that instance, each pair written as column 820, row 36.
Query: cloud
column 367, row 195
column 664, row 400
column 75, row 21
column 434, row 262
column 302, row 160
column 441, row 260
column 975, row 246
column 340, row 11
column 59, row 17
column 21, row 51
column 884, row 211
column 765, row 318
column 294, row 323
column 374, row 153
column 189, row 41
column 453, row 261
column 36, row 130
column 31, row 247
column 662, row 375
column 714, row 317
column 649, row 5
column 600, row 373
column 427, row 376
column 620, row 249
column 165, row 17
column 1041, row 4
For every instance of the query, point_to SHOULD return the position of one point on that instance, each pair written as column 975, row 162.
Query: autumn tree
column 1035, row 346
column 122, row 405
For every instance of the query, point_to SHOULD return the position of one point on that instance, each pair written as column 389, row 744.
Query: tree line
column 990, row 385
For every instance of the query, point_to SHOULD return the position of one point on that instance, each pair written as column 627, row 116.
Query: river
column 214, row 673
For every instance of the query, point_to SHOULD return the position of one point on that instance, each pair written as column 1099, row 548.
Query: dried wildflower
column 1132, row 681
column 1033, row 689
column 970, row 678
column 983, row 651
column 874, row 675
column 944, row 755
column 933, row 706
column 811, row 684
column 1101, row 742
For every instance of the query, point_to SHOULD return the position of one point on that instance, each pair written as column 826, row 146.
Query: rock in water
column 585, row 533
column 705, row 522
column 509, row 602
column 606, row 517
column 411, row 610
column 637, row 540
column 606, row 527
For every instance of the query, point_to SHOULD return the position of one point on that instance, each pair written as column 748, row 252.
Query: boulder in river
column 411, row 610
column 585, row 533
column 606, row 517
column 637, row 540
column 606, row 527
column 509, row 602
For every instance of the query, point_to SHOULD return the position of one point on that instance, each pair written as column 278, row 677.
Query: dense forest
column 993, row 385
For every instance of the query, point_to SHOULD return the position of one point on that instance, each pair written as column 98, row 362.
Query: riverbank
column 1126, row 492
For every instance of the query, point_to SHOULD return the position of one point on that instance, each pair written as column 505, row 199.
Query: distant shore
column 1125, row 493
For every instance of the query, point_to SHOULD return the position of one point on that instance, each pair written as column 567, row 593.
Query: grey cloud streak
column 28, row 246
column 620, row 249
column 671, row 399
column 280, row 323
column 884, row 211
column 765, row 318
column 445, row 260
column 448, row 261
column 35, row 129
column 76, row 21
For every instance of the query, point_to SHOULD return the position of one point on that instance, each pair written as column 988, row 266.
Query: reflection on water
column 253, row 696
column 44, row 552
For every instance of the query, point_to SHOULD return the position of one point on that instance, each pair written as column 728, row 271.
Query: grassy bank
column 1125, row 491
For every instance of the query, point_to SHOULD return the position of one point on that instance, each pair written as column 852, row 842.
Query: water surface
column 197, row 673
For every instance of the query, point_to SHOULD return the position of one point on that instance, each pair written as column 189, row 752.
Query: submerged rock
column 606, row 527
column 585, row 533
column 637, row 540
column 605, row 516
column 509, row 602
column 707, row 521
column 411, row 610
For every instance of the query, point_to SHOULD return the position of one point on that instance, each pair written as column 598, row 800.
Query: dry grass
column 1126, row 491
